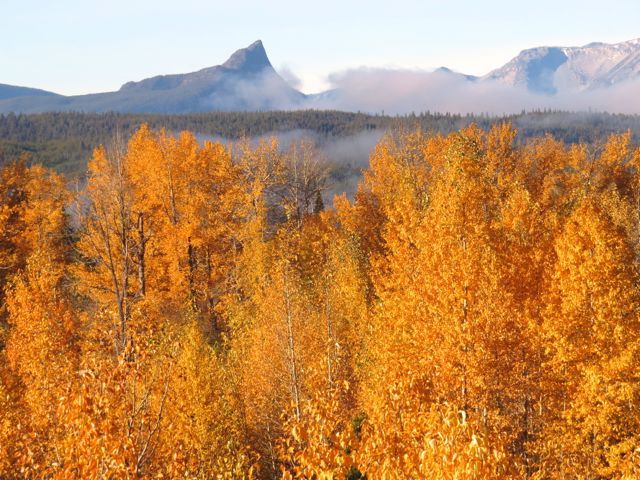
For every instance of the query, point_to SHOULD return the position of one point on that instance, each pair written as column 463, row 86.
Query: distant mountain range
column 248, row 82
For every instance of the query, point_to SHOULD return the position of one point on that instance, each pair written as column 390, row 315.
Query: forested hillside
column 196, row 312
column 65, row 141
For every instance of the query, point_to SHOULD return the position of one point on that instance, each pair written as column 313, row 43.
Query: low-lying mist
column 344, row 157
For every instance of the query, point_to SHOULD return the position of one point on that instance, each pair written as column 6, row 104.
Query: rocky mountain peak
column 251, row 59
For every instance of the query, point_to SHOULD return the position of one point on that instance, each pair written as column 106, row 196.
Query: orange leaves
column 461, row 282
column 37, row 360
column 593, row 327
column 416, row 439
column 32, row 202
column 40, row 347
column 472, row 314
column 193, row 201
column 205, row 430
column 320, row 443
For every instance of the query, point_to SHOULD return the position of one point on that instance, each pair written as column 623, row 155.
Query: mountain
column 245, row 82
column 550, row 70
column 11, row 91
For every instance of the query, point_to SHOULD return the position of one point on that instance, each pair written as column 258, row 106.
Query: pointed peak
column 255, row 45
column 250, row 59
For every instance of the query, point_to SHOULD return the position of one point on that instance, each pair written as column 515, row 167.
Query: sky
column 85, row 46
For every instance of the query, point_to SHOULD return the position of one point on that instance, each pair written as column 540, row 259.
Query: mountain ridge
column 245, row 81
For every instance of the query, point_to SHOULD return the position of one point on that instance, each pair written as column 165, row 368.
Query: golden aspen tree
column 36, row 346
column 127, row 346
column 395, row 188
column 525, row 247
column 206, row 434
column 301, row 321
column 343, row 308
column 32, row 216
column 106, row 241
column 282, row 332
column 41, row 349
column 530, row 205
column 192, row 201
column 319, row 443
column 476, row 317
column 201, row 210
column 592, row 323
column 444, row 325
column 251, row 261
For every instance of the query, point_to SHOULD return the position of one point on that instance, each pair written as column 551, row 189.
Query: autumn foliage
column 194, row 311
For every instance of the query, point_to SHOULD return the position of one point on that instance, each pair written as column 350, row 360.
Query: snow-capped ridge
column 550, row 70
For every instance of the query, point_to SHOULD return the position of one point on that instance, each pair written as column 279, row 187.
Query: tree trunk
column 142, row 287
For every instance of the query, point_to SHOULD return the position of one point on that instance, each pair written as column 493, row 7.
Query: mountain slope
column 12, row 91
column 246, row 81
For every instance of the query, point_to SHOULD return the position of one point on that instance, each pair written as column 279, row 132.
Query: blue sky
column 82, row 46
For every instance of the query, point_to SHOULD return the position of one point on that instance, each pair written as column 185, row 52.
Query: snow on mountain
column 558, row 69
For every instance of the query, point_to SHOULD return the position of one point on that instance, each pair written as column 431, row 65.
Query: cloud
column 263, row 91
column 406, row 91
column 291, row 78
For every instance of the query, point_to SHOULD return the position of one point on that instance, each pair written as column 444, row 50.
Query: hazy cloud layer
column 290, row 77
column 406, row 91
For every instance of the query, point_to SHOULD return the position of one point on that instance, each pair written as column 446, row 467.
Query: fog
column 344, row 157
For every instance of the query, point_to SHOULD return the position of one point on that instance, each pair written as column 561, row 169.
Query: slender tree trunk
column 192, row 269
column 291, row 351
column 124, row 307
column 142, row 287
column 331, row 347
